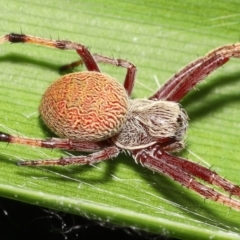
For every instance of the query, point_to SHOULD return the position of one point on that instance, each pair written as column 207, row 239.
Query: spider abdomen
column 87, row 106
column 151, row 122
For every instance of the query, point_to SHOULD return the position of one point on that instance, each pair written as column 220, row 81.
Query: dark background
column 24, row 221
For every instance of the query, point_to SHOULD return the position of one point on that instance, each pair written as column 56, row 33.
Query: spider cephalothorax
column 150, row 122
column 90, row 111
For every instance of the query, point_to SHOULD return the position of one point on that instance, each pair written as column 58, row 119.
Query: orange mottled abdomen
column 88, row 106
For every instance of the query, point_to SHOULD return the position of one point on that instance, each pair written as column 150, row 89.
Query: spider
column 91, row 111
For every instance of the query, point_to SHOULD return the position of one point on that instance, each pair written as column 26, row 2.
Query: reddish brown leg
column 182, row 82
column 131, row 70
column 93, row 158
column 88, row 59
column 200, row 172
column 185, row 172
column 60, row 143
column 196, row 170
column 103, row 150
column 83, row 52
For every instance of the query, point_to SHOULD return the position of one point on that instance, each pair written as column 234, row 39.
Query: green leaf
column 159, row 37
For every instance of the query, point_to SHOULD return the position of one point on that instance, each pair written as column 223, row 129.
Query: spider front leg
column 89, row 60
column 184, row 172
column 183, row 81
column 83, row 52
column 200, row 172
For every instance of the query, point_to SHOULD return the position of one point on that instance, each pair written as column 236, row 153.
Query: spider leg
column 199, row 171
column 184, row 172
column 183, row 81
column 87, row 58
column 131, row 70
column 93, row 158
column 82, row 51
column 60, row 143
